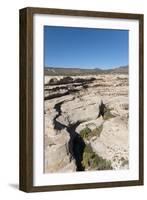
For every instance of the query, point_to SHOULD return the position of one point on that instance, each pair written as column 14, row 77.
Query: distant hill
column 52, row 71
column 123, row 69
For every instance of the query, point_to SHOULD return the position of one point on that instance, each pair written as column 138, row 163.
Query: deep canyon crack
column 76, row 143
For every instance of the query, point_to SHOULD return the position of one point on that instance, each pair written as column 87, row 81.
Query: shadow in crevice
column 102, row 109
column 57, row 124
column 76, row 143
column 69, row 80
column 57, row 95
column 76, row 146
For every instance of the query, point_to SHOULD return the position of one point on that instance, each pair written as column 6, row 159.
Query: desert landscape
column 86, row 117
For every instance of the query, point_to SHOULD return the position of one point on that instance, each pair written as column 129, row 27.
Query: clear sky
column 85, row 47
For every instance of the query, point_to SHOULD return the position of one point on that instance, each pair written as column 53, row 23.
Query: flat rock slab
column 113, row 143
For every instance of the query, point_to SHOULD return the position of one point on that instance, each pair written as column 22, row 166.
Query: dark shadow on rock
column 56, row 95
column 102, row 109
column 68, row 79
column 57, row 124
column 78, row 150
column 76, row 143
column 76, row 146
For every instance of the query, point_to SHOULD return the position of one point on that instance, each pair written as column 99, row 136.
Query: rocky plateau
column 86, row 123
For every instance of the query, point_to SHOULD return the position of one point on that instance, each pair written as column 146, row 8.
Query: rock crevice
column 99, row 105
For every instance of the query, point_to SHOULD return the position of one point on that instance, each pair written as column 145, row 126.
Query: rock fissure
column 82, row 131
column 76, row 143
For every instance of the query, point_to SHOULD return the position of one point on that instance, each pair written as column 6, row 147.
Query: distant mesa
column 55, row 71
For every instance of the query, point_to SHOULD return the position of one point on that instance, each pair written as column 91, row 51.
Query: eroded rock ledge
column 80, row 134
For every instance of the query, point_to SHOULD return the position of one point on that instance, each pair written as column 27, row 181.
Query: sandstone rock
column 119, row 105
column 113, row 143
column 57, row 157
column 53, row 81
column 92, row 124
column 80, row 106
column 81, row 109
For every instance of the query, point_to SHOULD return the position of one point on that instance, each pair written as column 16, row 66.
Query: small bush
column 97, row 131
column 94, row 162
column 85, row 133
column 108, row 114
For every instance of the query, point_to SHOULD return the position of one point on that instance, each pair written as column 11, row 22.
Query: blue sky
column 85, row 47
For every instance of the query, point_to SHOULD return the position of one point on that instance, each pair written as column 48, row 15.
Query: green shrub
column 94, row 162
column 85, row 133
column 108, row 114
column 97, row 131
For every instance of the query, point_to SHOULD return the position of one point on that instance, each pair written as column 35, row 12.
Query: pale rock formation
column 91, row 124
column 57, row 158
column 113, row 143
column 81, row 103
column 81, row 109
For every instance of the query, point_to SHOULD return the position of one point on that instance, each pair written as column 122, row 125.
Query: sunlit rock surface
column 97, row 103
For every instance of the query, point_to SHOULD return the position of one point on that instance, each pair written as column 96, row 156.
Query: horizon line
column 100, row 68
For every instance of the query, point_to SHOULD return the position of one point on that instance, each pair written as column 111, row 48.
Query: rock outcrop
column 80, row 134
column 113, row 143
column 57, row 158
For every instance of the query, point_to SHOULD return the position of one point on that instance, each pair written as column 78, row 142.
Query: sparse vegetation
column 97, row 131
column 108, row 114
column 90, row 159
column 87, row 133
column 94, row 162
column 101, row 111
